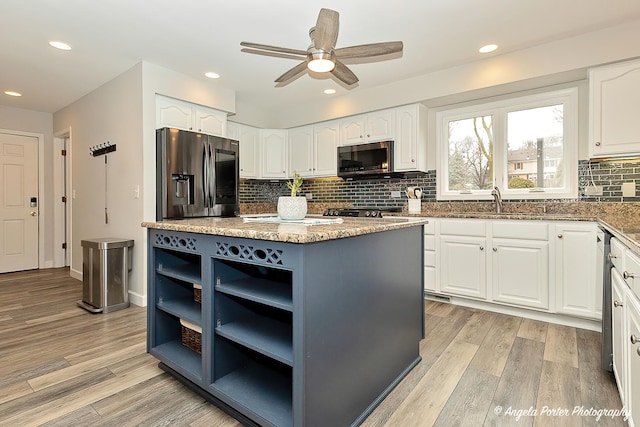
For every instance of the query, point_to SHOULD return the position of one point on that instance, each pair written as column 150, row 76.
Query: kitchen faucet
column 497, row 199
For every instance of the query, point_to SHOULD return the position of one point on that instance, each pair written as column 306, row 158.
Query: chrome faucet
column 497, row 199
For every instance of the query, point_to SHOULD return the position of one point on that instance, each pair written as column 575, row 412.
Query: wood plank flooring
column 62, row 366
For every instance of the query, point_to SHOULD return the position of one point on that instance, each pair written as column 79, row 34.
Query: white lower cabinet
column 463, row 266
column 633, row 317
column 578, row 288
column 520, row 272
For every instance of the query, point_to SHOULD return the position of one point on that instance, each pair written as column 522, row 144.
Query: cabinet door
column 249, row 152
column 173, row 113
column 379, row 126
column 210, row 121
column 273, row 151
column 301, row 151
column 618, row 332
column 326, row 137
column 614, row 110
column 520, row 270
column 463, row 268
column 410, row 139
column 633, row 317
column 352, row 130
column 577, row 287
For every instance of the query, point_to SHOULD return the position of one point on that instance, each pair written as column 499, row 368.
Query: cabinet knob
column 495, row 249
column 559, row 236
column 612, row 256
column 413, row 160
column 482, row 248
column 283, row 171
column 617, row 304
column 241, row 169
column 627, row 275
column 638, row 351
column 598, row 144
column 634, row 339
column 368, row 136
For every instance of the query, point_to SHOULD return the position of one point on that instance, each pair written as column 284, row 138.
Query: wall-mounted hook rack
column 100, row 149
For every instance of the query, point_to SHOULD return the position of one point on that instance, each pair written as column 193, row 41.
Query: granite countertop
column 286, row 232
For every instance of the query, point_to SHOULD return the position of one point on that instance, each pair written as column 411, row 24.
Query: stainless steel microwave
column 363, row 160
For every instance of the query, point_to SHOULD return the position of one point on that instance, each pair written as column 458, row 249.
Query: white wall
column 40, row 123
column 110, row 113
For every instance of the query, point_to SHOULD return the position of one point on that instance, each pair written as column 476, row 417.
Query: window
column 527, row 146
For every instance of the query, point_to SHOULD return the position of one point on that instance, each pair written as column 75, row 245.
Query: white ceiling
column 195, row 36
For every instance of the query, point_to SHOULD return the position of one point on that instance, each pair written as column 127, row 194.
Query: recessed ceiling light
column 12, row 93
column 329, row 91
column 212, row 75
column 488, row 48
column 59, row 45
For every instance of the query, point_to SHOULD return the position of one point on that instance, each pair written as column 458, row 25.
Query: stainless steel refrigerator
column 197, row 175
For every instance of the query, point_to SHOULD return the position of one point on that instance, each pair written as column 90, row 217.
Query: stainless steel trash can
column 106, row 264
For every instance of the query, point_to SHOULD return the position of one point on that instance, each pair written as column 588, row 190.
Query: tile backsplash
column 377, row 192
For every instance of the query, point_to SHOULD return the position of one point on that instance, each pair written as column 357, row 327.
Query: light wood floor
column 61, row 366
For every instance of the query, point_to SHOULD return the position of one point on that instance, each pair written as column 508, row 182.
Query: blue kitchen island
column 295, row 324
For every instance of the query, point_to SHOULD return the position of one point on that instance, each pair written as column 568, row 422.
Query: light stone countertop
column 286, row 232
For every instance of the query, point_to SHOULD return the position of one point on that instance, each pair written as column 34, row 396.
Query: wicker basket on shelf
column 191, row 336
column 197, row 293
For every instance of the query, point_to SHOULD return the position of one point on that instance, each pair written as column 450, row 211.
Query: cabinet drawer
column 430, row 258
column 463, row 227
column 532, row 230
column 618, row 250
column 430, row 243
column 632, row 268
column 430, row 227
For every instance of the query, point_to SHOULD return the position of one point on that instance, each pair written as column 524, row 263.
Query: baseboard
column 75, row 274
column 559, row 319
column 137, row 299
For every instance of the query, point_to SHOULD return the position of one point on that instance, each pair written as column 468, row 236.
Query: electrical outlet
column 629, row 189
column 593, row 190
column 309, row 196
column 395, row 194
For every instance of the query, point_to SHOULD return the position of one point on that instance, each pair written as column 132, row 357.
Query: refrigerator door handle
column 212, row 175
column 205, row 173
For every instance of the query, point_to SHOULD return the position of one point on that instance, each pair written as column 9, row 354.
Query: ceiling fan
column 322, row 55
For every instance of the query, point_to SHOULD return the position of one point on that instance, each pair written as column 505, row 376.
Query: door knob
column 32, row 213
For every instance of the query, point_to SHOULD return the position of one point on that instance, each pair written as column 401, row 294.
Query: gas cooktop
column 367, row 212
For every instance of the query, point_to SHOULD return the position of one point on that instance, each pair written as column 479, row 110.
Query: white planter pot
column 292, row 207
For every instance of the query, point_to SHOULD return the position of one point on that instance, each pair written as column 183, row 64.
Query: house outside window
column 527, row 146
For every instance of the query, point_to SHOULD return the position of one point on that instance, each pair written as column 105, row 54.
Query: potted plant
column 293, row 207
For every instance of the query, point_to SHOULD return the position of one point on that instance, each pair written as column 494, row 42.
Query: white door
column 18, row 220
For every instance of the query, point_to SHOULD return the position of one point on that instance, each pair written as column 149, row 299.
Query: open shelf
column 262, row 334
column 263, row 390
column 187, row 272
column 264, row 291
column 179, row 357
column 186, row 309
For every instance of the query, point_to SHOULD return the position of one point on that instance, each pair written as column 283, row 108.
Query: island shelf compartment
column 176, row 297
column 168, row 347
column 265, row 285
column 260, row 384
column 179, row 265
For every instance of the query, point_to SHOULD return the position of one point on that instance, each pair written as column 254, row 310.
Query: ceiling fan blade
column 368, row 50
column 326, row 30
column 274, row 48
column 344, row 74
column 292, row 72
column 273, row 54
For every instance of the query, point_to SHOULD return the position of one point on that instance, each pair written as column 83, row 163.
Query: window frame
column 499, row 110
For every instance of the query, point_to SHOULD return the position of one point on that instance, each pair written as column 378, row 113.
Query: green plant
column 518, row 182
column 295, row 184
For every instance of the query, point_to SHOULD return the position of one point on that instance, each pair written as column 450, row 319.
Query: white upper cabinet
column 273, row 153
column 249, row 155
column 184, row 115
column 410, row 144
column 614, row 110
column 325, row 137
column 370, row 127
column 301, row 151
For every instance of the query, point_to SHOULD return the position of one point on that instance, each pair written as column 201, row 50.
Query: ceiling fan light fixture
column 321, row 62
